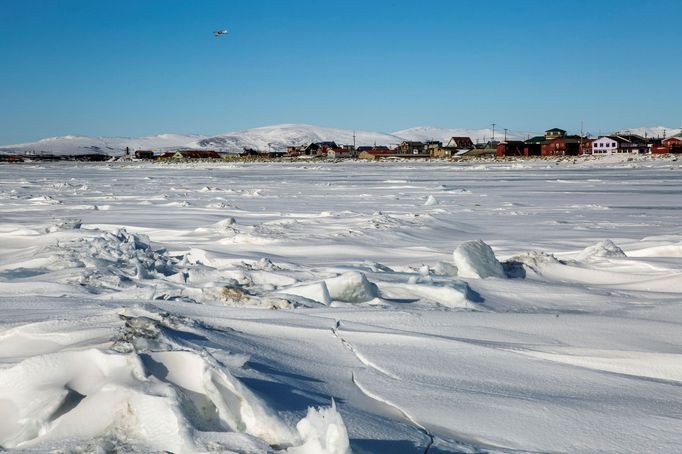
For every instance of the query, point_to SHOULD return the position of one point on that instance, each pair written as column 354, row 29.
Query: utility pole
column 505, row 134
column 493, row 139
column 353, row 140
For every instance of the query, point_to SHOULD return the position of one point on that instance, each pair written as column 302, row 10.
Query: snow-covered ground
column 317, row 308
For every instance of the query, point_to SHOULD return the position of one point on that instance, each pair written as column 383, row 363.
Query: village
column 554, row 143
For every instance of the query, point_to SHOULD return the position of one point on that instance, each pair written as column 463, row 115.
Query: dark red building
column 510, row 148
column 562, row 146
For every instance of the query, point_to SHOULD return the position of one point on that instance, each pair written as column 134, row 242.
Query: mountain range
column 276, row 137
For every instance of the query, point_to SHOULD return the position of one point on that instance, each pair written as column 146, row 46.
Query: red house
column 673, row 144
column 510, row 148
column 562, row 146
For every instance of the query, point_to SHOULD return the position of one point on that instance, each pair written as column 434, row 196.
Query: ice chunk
column 517, row 266
column 445, row 269
column 431, row 201
column 322, row 431
column 316, row 292
column 351, row 287
column 65, row 224
column 475, row 259
column 606, row 248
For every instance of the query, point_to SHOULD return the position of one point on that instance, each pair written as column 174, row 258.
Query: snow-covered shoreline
column 222, row 306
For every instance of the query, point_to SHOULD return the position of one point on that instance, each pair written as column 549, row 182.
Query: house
column 319, row 148
column 249, row 152
column 445, row 152
column 432, row 147
column 562, row 146
column 455, row 146
column 377, row 149
column 460, row 143
column 195, row 154
column 411, row 147
column 673, row 144
column 294, row 150
column 373, row 155
column 604, row 145
column 144, row 154
column 510, row 148
column 554, row 133
column 631, row 143
column 340, row 153
column 533, row 146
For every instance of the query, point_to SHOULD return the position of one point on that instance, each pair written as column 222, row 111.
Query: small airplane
column 218, row 33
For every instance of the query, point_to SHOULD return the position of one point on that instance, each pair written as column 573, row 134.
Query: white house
column 604, row 145
column 337, row 153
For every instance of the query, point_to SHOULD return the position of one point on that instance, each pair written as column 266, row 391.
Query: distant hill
column 656, row 131
column 477, row 135
column 276, row 137
column 115, row 146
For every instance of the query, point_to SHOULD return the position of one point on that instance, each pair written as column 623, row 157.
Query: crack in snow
column 405, row 414
column 372, row 366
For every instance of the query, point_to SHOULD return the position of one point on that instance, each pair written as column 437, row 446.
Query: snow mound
column 156, row 400
column 114, row 259
column 351, row 287
column 603, row 249
column 323, row 432
column 475, row 259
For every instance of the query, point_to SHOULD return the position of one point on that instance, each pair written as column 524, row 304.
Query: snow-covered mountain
column 276, row 137
column 424, row 133
column 76, row 145
column 656, row 131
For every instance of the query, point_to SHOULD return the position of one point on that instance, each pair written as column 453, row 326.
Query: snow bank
column 322, row 432
column 603, row 249
column 475, row 259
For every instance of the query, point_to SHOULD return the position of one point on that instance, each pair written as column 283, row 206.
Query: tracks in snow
column 367, row 363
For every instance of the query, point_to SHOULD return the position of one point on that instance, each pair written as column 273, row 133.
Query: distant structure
column 144, row 154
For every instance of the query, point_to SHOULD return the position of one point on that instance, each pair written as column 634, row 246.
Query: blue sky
column 138, row 67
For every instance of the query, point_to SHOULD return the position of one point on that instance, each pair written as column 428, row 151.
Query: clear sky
column 139, row 67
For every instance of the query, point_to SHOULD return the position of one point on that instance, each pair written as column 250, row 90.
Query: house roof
column 555, row 130
column 537, row 139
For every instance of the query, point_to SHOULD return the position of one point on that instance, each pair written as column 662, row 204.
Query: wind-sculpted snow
column 332, row 308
